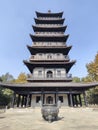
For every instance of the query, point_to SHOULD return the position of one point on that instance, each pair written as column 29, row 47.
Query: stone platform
column 31, row 119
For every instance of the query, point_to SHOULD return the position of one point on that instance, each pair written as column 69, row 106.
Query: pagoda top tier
column 49, row 14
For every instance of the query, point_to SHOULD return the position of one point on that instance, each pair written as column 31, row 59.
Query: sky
column 17, row 18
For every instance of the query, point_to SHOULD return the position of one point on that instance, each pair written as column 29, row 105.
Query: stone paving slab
column 31, row 119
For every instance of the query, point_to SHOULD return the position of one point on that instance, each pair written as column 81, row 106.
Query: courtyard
column 31, row 119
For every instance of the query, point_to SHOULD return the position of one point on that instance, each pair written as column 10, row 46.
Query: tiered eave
column 49, row 38
column 49, row 49
column 49, row 28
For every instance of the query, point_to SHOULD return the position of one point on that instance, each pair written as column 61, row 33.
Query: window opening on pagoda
column 49, row 56
column 40, row 54
column 38, row 99
column 49, row 74
column 32, row 57
column 58, row 54
column 61, row 99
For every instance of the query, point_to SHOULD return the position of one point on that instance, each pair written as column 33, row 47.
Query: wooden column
column 76, row 101
column 80, row 100
column 22, row 102
column 30, row 100
column 27, row 102
column 68, row 96
column 71, row 100
column 43, row 98
column 18, row 101
column 85, row 99
column 13, row 100
column 56, row 96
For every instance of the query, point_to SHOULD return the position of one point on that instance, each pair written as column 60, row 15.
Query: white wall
column 34, row 104
column 45, row 70
column 33, row 100
column 65, row 99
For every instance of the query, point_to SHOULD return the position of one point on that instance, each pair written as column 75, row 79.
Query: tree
column 22, row 78
column 7, row 78
column 6, row 94
column 92, row 69
column 76, row 79
column 0, row 79
column 86, row 79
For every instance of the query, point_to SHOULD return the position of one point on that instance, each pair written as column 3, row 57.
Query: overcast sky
column 17, row 18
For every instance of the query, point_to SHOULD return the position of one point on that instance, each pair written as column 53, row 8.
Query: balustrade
column 53, row 44
column 49, row 57
column 49, row 25
column 49, row 18
column 54, row 77
column 49, row 33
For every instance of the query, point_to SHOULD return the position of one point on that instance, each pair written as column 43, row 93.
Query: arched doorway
column 49, row 100
column 49, row 74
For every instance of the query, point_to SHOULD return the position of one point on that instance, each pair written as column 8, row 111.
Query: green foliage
column 76, row 79
column 22, row 78
column 86, row 79
column 92, row 69
column 5, row 94
column 0, row 79
column 7, row 78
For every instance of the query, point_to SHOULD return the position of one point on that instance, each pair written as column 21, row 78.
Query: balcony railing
column 54, row 44
column 68, row 77
column 49, row 57
column 49, row 34
column 49, row 18
column 49, row 25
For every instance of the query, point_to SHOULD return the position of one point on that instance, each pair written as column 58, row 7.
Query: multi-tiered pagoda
column 49, row 61
column 49, row 66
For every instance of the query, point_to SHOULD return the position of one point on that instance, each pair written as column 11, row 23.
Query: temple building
column 49, row 66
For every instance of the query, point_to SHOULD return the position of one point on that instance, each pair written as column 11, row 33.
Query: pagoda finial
column 49, row 11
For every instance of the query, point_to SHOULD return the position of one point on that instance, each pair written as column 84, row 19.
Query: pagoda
column 49, row 61
column 49, row 65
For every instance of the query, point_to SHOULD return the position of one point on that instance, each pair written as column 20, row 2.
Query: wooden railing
column 45, row 57
column 36, row 77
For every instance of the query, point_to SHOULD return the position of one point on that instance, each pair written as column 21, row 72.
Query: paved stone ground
column 30, row 119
